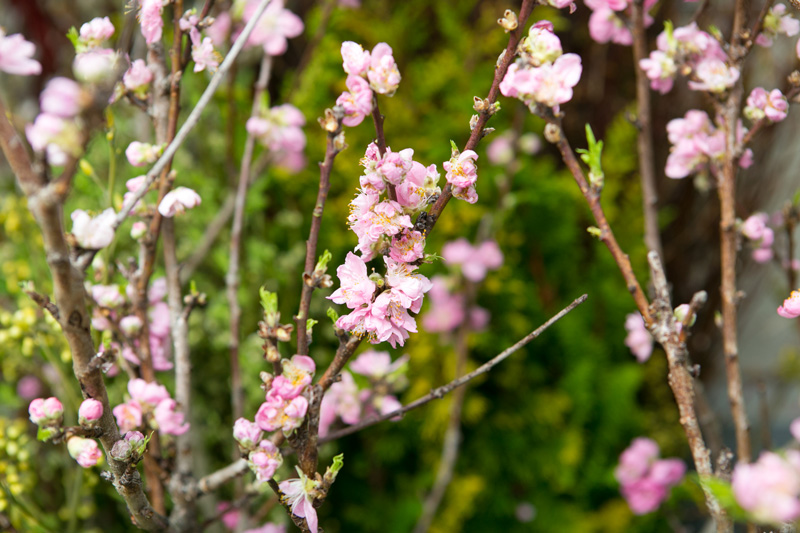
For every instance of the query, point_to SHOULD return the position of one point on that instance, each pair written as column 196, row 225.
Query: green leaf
column 45, row 434
column 592, row 157
column 322, row 263
column 333, row 315
column 453, row 149
column 310, row 323
column 269, row 300
column 74, row 37
column 338, row 463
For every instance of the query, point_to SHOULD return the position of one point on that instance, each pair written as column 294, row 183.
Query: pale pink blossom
column 356, row 288
column 383, row 219
column 230, row 515
column 220, row 30
column 635, row 461
column 299, row 499
column 128, row 415
column 150, row 393
column 46, row 412
column 177, row 201
column 275, row 26
column 58, row 137
column 384, row 78
column 84, row 451
column 107, row 295
column 340, row 400
column 277, row 413
column 768, row 489
column 550, row 84
column 62, row 97
column 151, row 22
column 296, row 375
column 169, row 420
column 204, row 55
column 280, row 130
column 777, row 22
column 130, row 325
column 390, row 319
column 246, row 433
column 29, row 387
column 479, row 318
column 791, row 306
column 268, row 528
column 265, row 460
column 447, row 310
column 97, row 30
column 639, row 340
column 376, row 365
column 138, row 230
column 357, row 103
column 714, row 75
column 605, row 26
column 355, row 60
column 408, row 247
column 461, row 169
column 772, row 105
column 660, row 69
column 475, row 261
column 138, row 77
column 140, row 154
column 158, row 319
column 93, row 233
column 407, row 287
column 753, row 228
column 16, row 55
column 541, row 45
column 98, row 65
column 645, row 479
column 419, row 185
column 90, row 412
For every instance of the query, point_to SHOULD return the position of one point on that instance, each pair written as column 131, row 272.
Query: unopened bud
column 328, row 122
column 473, row 122
column 122, row 450
column 284, row 332
column 794, row 78
column 509, row 21
column 338, row 142
column 479, row 104
column 552, row 133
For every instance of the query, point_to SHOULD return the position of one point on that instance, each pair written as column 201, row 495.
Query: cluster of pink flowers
column 55, row 131
column 769, row 489
column 760, row 235
column 285, row 406
column 94, row 63
column 542, row 74
column 46, row 412
column 644, row 478
column 112, row 307
column 698, row 144
column 203, row 53
column 777, row 22
column 152, row 24
column 474, row 261
column 380, row 314
column 770, row 105
column 280, row 129
column 275, row 26
column 692, row 51
column 140, row 154
column 639, row 340
column 150, row 399
column 346, row 401
column 366, row 72
column 606, row 25
column 263, row 456
column 501, row 150
column 137, row 79
column 16, row 55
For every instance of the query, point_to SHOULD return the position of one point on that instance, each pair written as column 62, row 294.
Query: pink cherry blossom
column 635, row 461
column 130, row 325
column 268, row 528
column 177, row 201
column 639, row 340
column 644, row 495
column 461, row 169
column 714, row 75
column 151, row 21
column 356, row 287
column 280, row 130
column 16, row 55
column 169, row 420
column 376, row 365
column 340, row 400
column 383, row 76
column 62, row 97
column 299, row 499
column 791, row 306
column 45, row 412
column 768, row 489
column 645, row 480
column 230, row 515
column 107, row 295
column 407, row 287
column 140, row 154
column 277, row 413
column 97, row 30
column 753, row 228
column 28, row 387
column 204, row 55
column 541, row 45
column 605, row 26
column 265, row 460
column 394, row 166
column 128, row 415
column 357, row 103
column 772, row 105
column 138, row 77
column 93, row 233
column 474, row 261
column 383, row 219
column 794, row 429
column 58, row 137
column 150, row 393
column 447, row 310
column 295, row 377
column 275, row 26
column 355, row 60
column 408, row 247
column 90, row 411
column 660, row 69
column 246, row 433
column 777, row 22
column 99, row 65
column 84, row 451
column 419, row 185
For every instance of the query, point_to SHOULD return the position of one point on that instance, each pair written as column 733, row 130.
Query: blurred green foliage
column 545, row 428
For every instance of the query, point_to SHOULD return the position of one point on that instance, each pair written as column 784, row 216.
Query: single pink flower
column 246, row 433
column 384, row 78
column 298, row 497
column 265, row 460
column 355, row 60
column 16, row 55
column 791, row 306
column 128, row 415
column 447, row 311
column 357, row 103
column 140, row 154
column 99, row 65
column 62, row 97
column 204, row 55
column 137, row 78
column 644, row 495
column 93, row 233
column 151, row 21
column 461, row 169
column 274, row 27
column 169, row 420
column 340, row 400
column 768, row 489
column 84, row 451
column 177, row 201
column 97, row 30
column 639, row 340
column 376, row 365
column 356, row 287
column 230, row 515
column 277, row 413
column 149, row 393
column 408, row 247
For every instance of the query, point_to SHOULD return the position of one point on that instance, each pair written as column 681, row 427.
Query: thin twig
column 477, row 132
column 439, row 392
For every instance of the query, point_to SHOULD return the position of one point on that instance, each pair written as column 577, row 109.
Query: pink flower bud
column 90, row 412
column 384, row 78
column 138, row 230
column 246, row 433
column 140, row 154
column 84, row 451
column 97, row 30
column 137, row 78
column 355, row 60
column 130, row 325
column 46, row 412
column 137, row 441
